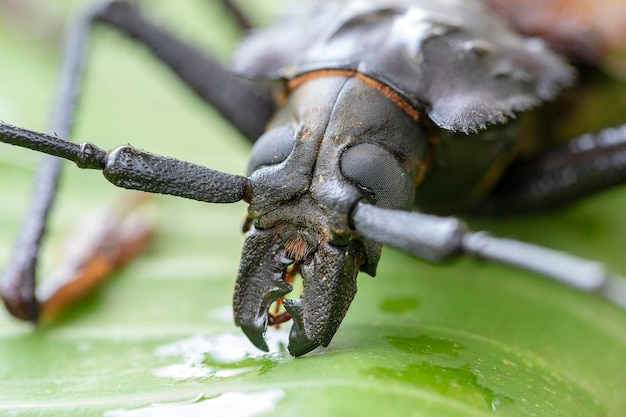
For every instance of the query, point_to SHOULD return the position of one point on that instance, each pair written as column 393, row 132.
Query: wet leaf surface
column 467, row 338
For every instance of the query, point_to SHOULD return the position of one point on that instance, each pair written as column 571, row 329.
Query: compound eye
column 376, row 170
column 272, row 148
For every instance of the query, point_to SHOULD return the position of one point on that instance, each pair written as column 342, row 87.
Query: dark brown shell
column 454, row 59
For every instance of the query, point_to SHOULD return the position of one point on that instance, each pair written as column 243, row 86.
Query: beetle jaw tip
column 256, row 334
column 299, row 343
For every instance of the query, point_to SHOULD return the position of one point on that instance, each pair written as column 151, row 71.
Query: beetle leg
column 436, row 238
column 126, row 167
column 582, row 166
column 18, row 280
column 245, row 105
column 106, row 242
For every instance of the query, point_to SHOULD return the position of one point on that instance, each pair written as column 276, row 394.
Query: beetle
column 378, row 106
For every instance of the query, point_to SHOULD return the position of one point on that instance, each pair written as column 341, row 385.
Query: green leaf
column 467, row 338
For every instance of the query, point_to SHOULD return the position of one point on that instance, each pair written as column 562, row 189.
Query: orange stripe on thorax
column 387, row 91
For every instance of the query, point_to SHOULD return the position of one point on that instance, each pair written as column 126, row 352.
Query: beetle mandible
column 374, row 106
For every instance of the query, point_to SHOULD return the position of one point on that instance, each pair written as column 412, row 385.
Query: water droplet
column 498, row 401
column 231, row 404
column 221, row 356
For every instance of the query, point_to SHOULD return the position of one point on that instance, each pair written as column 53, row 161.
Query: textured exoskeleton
column 372, row 87
column 380, row 106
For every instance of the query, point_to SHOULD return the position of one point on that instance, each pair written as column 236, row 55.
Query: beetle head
column 307, row 173
column 299, row 222
column 292, row 230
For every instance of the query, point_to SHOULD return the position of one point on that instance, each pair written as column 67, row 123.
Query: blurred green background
column 464, row 339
